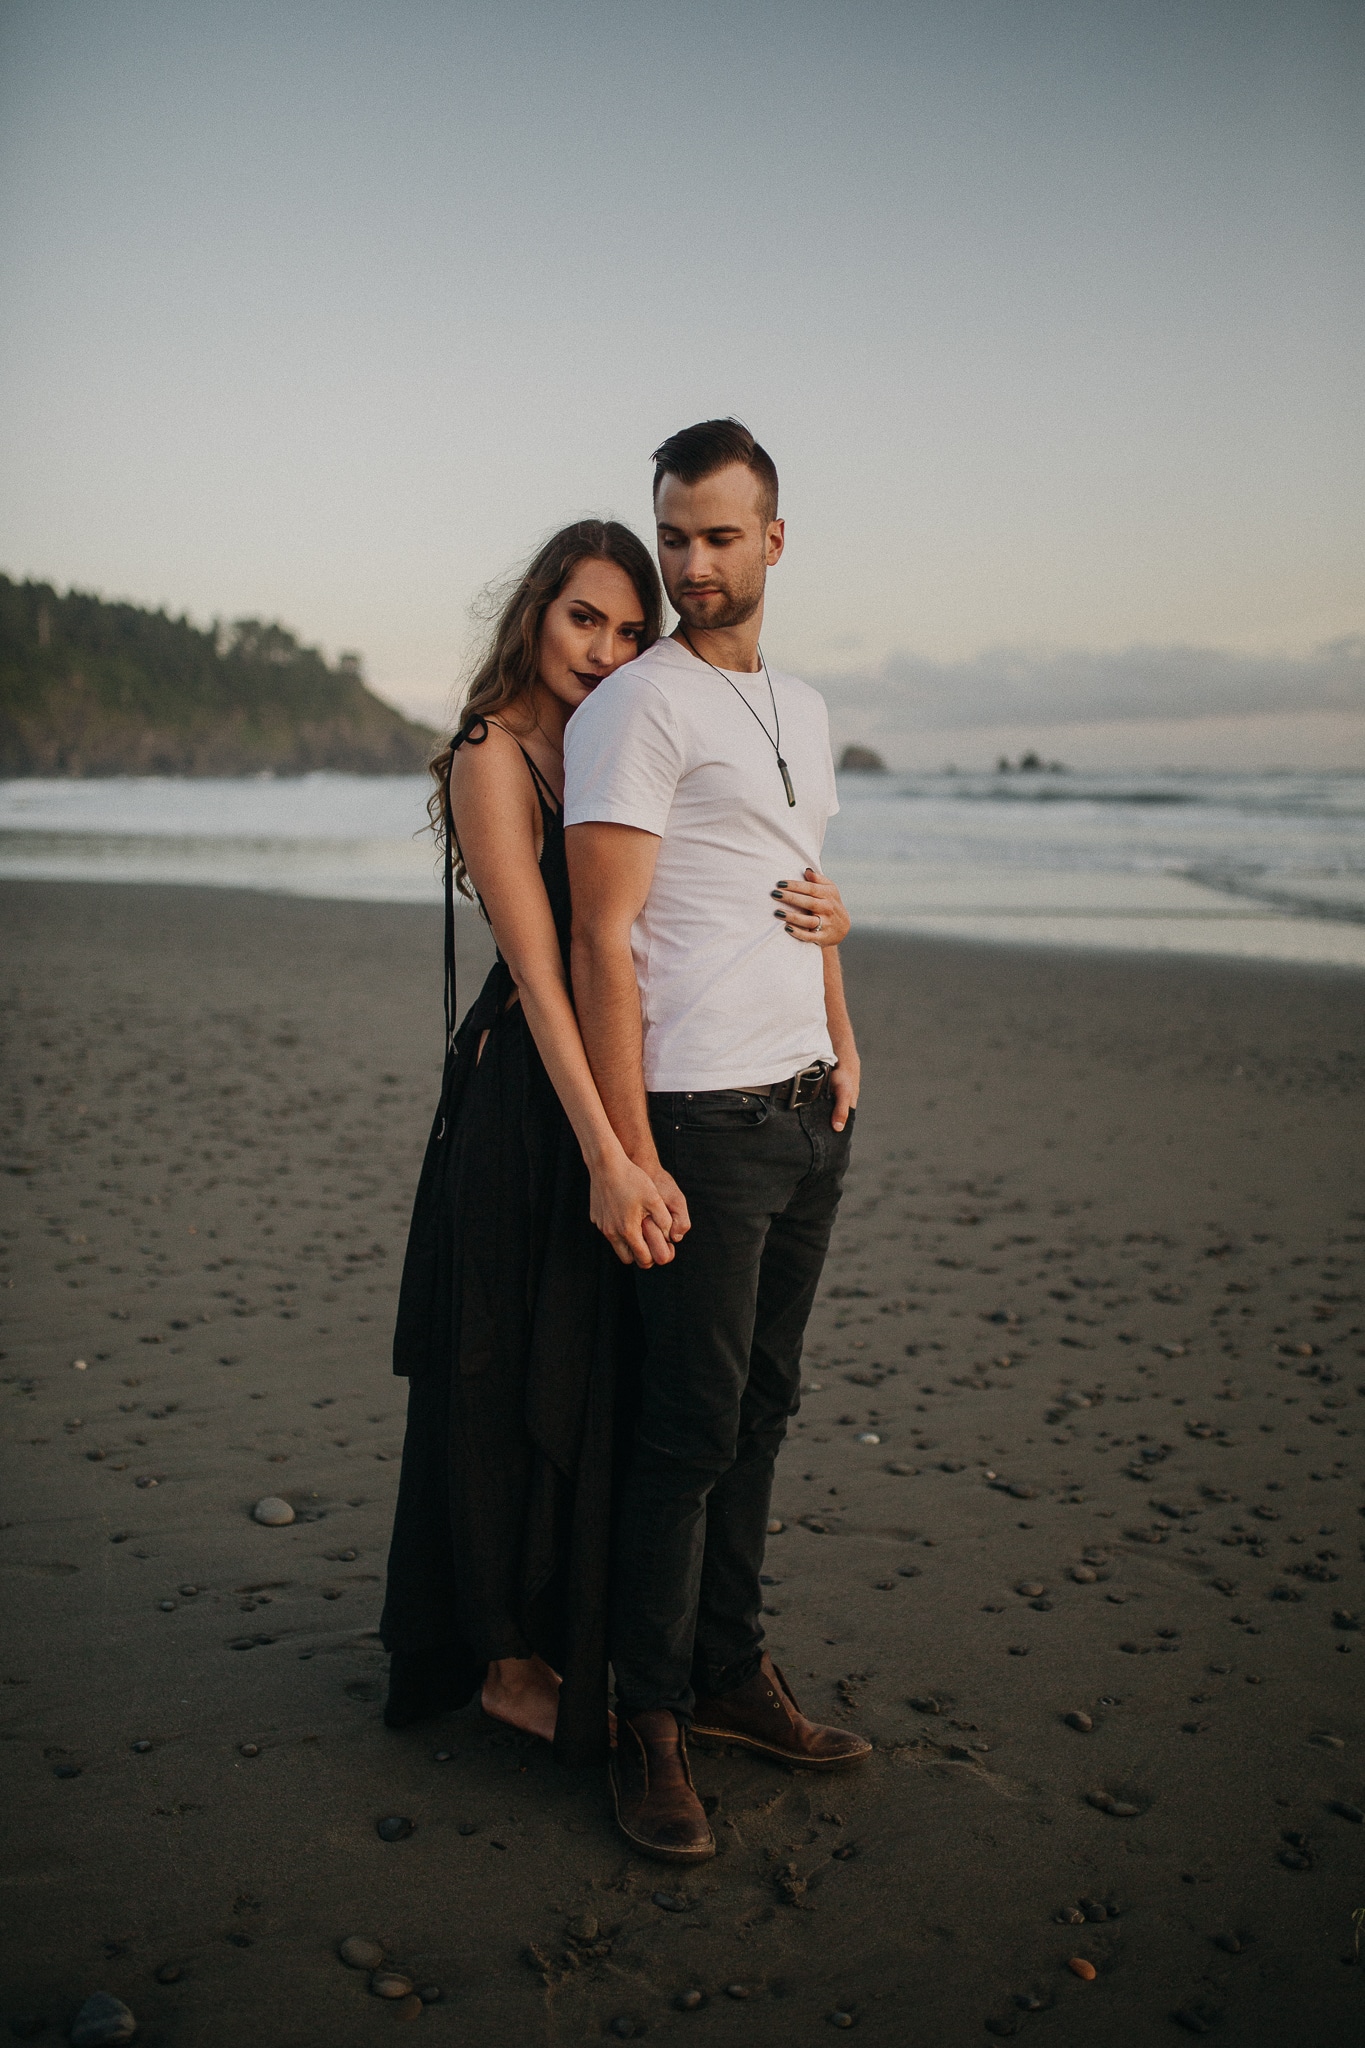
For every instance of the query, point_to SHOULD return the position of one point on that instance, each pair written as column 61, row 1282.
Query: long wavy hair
column 506, row 672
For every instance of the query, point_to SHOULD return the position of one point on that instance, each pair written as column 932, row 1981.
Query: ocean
column 1268, row 866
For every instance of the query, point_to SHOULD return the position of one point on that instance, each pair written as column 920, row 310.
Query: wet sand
column 1096, row 1289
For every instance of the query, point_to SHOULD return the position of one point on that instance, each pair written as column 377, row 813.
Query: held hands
column 641, row 1214
column 813, row 910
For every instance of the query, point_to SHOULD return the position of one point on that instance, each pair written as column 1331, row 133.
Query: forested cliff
column 89, row 688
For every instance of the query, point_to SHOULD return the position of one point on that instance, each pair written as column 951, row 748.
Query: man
column 697, row 786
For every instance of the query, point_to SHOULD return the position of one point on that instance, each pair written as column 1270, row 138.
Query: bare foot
column 523, row 1692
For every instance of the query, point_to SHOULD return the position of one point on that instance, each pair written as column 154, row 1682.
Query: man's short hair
column 700, row 451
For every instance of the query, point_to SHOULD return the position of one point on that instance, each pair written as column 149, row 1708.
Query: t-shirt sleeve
column 831, row 785
column 622, row 757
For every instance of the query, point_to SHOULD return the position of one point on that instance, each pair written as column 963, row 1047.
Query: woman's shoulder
column 486, row 755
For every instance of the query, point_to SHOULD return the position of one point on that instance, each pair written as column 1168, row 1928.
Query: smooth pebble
column 101, row 2021
column 359, row 1953
column 1082, row 1969
column 390, row 1984
column 395, row 1827
column 687, row 2001
column 273, row 1512
column 168, row 1973
column 1081, row 1722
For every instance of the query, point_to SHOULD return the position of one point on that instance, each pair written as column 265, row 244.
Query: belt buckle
column 816, row 1075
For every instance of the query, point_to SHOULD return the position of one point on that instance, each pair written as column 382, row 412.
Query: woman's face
column 594, row 624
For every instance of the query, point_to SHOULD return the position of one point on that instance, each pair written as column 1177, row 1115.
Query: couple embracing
column 660, row 1066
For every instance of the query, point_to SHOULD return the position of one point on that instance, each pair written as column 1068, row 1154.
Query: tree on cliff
column 89, row 688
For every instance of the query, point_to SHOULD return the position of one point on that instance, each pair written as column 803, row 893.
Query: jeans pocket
column 722, row 1112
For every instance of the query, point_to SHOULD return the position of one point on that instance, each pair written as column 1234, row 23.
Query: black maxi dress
column 518, row 1332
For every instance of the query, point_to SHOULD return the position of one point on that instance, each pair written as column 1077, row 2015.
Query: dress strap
column 543, row 790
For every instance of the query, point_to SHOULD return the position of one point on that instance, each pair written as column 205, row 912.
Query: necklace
column 775, row 744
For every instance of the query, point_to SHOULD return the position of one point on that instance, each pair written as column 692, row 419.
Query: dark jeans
column 724, row 1325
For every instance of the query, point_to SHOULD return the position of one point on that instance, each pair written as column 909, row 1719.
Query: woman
column 516, row 1326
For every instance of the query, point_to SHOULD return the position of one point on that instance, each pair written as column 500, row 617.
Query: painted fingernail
column 777, row 893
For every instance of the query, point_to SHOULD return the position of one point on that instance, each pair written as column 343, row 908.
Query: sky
column 1050, row 315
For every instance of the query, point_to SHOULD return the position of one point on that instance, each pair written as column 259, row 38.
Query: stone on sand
column 358, row 1952
column 391, row 1984
column 102, row 2020
column 272, row 1512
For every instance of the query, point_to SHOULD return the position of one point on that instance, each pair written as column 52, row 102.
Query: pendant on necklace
column 787, row 783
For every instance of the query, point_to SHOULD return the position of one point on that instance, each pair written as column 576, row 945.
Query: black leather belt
column 807, row 1086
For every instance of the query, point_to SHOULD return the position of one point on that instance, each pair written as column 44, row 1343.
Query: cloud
column 1013, row 687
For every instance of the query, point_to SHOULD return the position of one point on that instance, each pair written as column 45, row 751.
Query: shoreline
column 1096, row 1290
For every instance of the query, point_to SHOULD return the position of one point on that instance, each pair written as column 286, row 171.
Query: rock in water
column 103, row 2019
column 273, row 1512
column 856, row 760
column 359, row 1953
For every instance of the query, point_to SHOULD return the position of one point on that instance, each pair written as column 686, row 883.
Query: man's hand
column 674, row 1200
column 844, row 1083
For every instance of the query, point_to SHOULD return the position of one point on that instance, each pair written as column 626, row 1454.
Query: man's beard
column 703, row 614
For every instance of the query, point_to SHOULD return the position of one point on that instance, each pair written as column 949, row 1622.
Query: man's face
column 715, row 547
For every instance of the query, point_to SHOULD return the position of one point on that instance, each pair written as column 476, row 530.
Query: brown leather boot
column 656, row 1808
column 763, row 1716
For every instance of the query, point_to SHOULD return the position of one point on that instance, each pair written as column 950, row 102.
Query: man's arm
column 611, row 868
column 848, row 1074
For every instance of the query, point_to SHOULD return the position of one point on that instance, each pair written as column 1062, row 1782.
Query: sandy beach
column 1072, row 1520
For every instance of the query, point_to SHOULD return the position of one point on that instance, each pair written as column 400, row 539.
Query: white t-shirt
column 728, row 998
